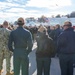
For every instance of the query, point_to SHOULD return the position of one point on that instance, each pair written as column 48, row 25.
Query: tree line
column 71, row 15
column 44, row 19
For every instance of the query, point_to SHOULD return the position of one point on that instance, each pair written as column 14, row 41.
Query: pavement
column 54, row 68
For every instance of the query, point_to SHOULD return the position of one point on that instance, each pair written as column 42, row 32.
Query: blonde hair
column 42, row 28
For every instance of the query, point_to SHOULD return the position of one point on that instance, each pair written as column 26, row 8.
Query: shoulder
column 63, row 33
column 27, row 31
column 63, row 36
column 13, row 31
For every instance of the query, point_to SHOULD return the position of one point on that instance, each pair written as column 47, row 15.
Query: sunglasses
column 66, row 25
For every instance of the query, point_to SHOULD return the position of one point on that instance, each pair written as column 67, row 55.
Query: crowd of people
column 17, row 41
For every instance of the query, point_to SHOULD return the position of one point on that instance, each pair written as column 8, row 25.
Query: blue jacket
column 66, row 42
column 21, row 38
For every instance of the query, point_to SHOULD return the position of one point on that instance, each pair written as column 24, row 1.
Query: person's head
column 57, row 26
column 5, row 24
column 20, row 21
column 67, row 25
column 42, row 30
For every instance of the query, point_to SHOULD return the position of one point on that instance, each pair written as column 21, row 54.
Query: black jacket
column 66, row 42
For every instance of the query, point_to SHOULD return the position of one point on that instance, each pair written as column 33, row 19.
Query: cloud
column 11, row 16
column 8, row 4
column 5, row 5
column 14, row 0
column 17, row 1
column 12, row 9
column 9, row 0
column 48, row 3
column 6, row 15
column 16, row 10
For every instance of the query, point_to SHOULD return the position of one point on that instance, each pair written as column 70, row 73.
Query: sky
column 11, row 10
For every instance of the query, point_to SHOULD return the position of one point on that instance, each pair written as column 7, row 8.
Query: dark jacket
column 52, row 34
column 45, row 46
column 66, row 42
column 22, row 39
column 57, row 33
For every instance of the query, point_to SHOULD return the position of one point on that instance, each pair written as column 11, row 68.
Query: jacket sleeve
column 29, row 43
column 10, row 42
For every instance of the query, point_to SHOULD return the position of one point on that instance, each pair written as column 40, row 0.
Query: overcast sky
column 10, row 10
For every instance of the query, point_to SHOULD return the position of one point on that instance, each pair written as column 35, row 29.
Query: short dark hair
column 20, row 23
column 68, row 23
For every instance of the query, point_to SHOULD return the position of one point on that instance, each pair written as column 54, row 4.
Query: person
column 4, row 53
column 57, row 33
column 66, row 49
column 52, row 32
column 45, row 50
column 48, row 29
column 20, row 43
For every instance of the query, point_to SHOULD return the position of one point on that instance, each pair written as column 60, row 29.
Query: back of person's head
column 5, row 24
column 57, row 26
column 42, row 29
column 1, row 26
column 20, row 21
